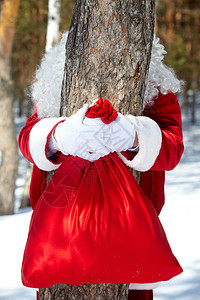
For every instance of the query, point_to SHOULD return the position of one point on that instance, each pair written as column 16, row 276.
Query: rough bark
column 8, row 144
column 107, row 55
column 106, row 291
column 8, row 150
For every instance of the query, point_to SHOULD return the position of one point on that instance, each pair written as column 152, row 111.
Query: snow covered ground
column 13, row 233
column 180, row 218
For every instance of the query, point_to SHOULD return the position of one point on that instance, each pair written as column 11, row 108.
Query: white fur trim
column 143, row 286
column 38, row 142
column 150, row 139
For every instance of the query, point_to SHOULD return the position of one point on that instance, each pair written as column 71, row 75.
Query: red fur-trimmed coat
column 160, row 147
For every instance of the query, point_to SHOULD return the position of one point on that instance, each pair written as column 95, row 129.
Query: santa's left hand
column 117, row 136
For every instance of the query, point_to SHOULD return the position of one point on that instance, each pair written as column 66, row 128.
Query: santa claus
column 151, row 144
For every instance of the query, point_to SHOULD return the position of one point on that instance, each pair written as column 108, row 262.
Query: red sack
column 93, row 224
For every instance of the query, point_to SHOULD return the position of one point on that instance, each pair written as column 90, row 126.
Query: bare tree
column 8, row 144
column 53, row 24
column 107, row 55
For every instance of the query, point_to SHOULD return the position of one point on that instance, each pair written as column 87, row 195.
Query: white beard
column 46, row 90
column 160, row 78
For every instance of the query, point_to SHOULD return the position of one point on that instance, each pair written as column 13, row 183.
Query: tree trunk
column 25, row 201
column 107, row 55
column 193, row 104
column 106, row 291
column 8, row 144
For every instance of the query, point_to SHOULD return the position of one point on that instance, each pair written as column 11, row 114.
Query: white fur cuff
column 150, row 139
column 143, row 286
column 38, row 143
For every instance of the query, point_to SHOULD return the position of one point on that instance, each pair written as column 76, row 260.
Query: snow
column 180, row 218
column 13, row 234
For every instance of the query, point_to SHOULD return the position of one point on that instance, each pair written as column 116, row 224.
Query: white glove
column 78, row 139
column 117, row 136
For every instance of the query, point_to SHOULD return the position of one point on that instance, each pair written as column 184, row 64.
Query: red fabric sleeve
column 38, row 180
column 23, row 140
column 38, row 185
column 166, row 113
column 24, row 136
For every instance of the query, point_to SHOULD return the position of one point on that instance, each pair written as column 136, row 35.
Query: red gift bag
column 93, row 224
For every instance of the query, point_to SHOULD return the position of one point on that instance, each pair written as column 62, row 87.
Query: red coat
column 93, row 217
column 166, row 113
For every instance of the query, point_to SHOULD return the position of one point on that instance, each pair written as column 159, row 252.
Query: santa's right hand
column 78, row 139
